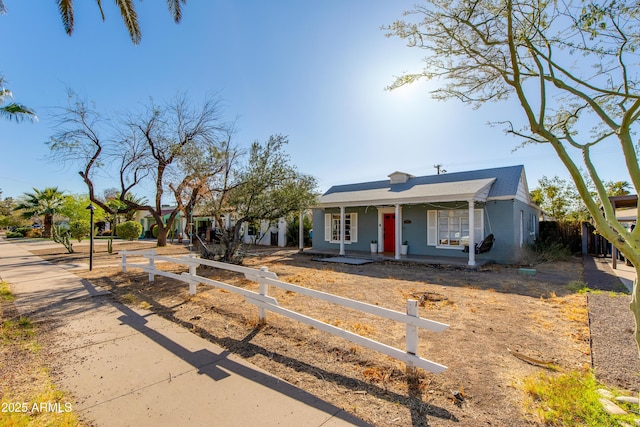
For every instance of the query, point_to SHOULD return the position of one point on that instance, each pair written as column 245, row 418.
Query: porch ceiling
column 627, row 215
column 477, row 189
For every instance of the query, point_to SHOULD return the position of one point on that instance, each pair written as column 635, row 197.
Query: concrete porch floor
column 388, row 256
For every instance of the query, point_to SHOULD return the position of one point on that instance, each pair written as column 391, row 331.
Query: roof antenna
column 439, row 168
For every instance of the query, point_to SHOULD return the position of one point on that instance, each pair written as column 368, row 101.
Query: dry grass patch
column 28, row 395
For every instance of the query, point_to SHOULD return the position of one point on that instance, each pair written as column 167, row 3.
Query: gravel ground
column 614, row 353
column 613, row 350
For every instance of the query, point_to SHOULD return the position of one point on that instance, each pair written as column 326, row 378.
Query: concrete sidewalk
column 599, row 274
column 127, row 367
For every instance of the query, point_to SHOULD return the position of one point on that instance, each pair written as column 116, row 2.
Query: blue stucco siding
column 414, row 228
column 317, row 240
column 505, row 224
column 367, row 228
column 367, row 224
column 499, row 222
column 500, row 218
column 530, row 217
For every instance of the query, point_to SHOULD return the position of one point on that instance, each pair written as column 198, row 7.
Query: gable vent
column 399, row 177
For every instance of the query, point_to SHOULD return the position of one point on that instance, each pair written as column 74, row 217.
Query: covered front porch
column 390, row 256
column 395, row 223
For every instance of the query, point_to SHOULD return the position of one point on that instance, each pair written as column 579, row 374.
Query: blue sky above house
column 315, row 71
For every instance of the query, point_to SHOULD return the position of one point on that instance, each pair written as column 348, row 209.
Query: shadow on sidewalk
column 217, row 366
column 245, row 349
column 598, row 275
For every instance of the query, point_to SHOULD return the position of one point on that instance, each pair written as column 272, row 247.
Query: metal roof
column 481, row 185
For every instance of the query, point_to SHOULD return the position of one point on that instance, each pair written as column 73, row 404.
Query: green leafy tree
column 267, row 187
column 44, row 203
column 572, row 66
column 79, row 229
column 559, row 199
column 9, row 217
column 129, row 230
column 74, row 208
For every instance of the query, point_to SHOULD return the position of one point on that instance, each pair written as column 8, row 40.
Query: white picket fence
column 266, row 303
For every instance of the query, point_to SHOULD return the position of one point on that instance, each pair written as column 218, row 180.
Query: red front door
column 389, row 230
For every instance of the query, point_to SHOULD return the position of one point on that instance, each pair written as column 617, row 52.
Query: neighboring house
column 261, row 233
column 626, row 209
column 432, row 214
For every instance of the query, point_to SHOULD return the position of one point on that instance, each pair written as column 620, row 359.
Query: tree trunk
column 635, row 309
column 48, row 223
column 162, row 235
column 232, row 241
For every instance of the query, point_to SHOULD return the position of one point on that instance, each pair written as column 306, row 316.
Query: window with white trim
column 332, row 227
column 450, row 228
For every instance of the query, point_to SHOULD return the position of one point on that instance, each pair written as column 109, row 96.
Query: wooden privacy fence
column 266, row 303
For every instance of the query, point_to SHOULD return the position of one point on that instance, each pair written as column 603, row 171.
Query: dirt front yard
column 498, row 319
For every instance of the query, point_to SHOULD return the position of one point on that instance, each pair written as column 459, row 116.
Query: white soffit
column 627, row 215
column 477, row 189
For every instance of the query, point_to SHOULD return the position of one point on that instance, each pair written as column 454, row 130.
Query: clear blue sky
column 314, row 71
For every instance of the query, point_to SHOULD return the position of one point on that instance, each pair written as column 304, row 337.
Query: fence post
column 152, row 267
column 264, row 291
column 193, row 285
column 124, row 261
column 412, row 337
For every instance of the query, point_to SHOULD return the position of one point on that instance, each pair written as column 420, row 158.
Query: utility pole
column 439, row 168
column 92, row 209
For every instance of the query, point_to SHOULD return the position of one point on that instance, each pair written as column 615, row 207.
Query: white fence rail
column 266, row 303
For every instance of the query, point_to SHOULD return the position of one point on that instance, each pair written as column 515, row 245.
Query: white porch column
column 380, row 231
column 301, row 231
column 342, row 230
column 282, row 232
column 245, row 234
column 398, row 230
column 183, row 226
column 472, row 243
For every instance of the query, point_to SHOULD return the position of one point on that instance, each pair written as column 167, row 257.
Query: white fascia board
column 477, row 190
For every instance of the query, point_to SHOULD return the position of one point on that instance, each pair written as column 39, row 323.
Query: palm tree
column 13, row 111
column 42, row 203
column 617, row 188
column 127, row 10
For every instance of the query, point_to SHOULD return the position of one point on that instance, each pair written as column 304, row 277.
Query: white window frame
column 332, row 227
column 433, row 227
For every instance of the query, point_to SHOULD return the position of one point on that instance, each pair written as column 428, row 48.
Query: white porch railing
column 266, row 303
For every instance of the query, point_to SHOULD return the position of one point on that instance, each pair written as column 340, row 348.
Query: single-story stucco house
column 431, row 214
column 259, row 233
